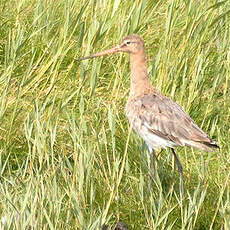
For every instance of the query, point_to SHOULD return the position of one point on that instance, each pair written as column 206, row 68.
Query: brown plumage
column 160, row 121
column 166, row 119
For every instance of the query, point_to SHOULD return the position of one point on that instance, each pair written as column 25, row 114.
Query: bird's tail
column 206, row 146
column 211, row 145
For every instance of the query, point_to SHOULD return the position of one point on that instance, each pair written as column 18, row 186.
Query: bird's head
column 132, row 44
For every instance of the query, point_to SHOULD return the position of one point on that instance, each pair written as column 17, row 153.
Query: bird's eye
column 128, row 42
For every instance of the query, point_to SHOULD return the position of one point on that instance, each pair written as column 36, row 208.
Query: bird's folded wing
column 167, row 119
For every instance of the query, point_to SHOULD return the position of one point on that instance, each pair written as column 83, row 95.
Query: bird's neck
column 140, row 84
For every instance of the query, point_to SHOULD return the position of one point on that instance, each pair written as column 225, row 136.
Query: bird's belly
column 152, row 140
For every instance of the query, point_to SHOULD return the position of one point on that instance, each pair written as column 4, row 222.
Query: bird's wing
column 167, row 119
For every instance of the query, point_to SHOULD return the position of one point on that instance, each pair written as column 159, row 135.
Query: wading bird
column 159, row 121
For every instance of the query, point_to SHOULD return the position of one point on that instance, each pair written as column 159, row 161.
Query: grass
column 68, row 159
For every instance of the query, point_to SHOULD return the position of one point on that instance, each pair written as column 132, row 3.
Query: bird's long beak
column 102, row 53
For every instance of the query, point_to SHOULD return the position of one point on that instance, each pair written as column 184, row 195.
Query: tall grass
column 68, row 159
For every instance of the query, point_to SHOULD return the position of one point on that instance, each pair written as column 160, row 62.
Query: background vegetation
column 67, row 157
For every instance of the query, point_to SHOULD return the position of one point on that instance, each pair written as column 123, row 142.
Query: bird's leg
column 152, row 164
column 180, row 169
